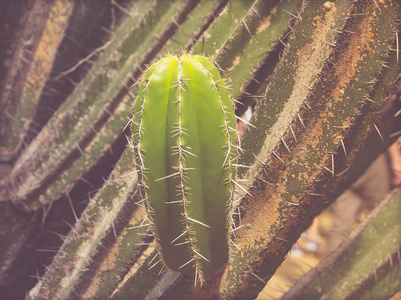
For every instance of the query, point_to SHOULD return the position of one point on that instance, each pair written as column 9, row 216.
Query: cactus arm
column 43, row 34
column 370, row 249
column 184, row 148
column 145, row 280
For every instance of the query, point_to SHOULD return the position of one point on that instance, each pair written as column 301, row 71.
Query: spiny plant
column 317, row 74
column 184, row 140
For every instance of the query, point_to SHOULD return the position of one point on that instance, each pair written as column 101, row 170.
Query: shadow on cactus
column 185, row 144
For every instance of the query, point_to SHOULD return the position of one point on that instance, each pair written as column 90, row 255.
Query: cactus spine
column 184, row 143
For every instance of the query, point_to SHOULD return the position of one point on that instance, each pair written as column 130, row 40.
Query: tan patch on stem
column 265, row 23
column 235, row 63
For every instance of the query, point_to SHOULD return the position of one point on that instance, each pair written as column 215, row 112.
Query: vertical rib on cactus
column 184, row 138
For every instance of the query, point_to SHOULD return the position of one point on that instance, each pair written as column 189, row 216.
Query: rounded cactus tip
column 185, row 145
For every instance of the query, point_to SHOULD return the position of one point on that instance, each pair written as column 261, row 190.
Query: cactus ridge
column 185, row 143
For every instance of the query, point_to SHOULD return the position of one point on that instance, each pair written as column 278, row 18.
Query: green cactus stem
column 185, row 142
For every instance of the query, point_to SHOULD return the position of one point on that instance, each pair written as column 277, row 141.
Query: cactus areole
column 185, row 143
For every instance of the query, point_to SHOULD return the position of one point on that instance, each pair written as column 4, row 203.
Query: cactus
column 184, row 142
column 316, row 73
